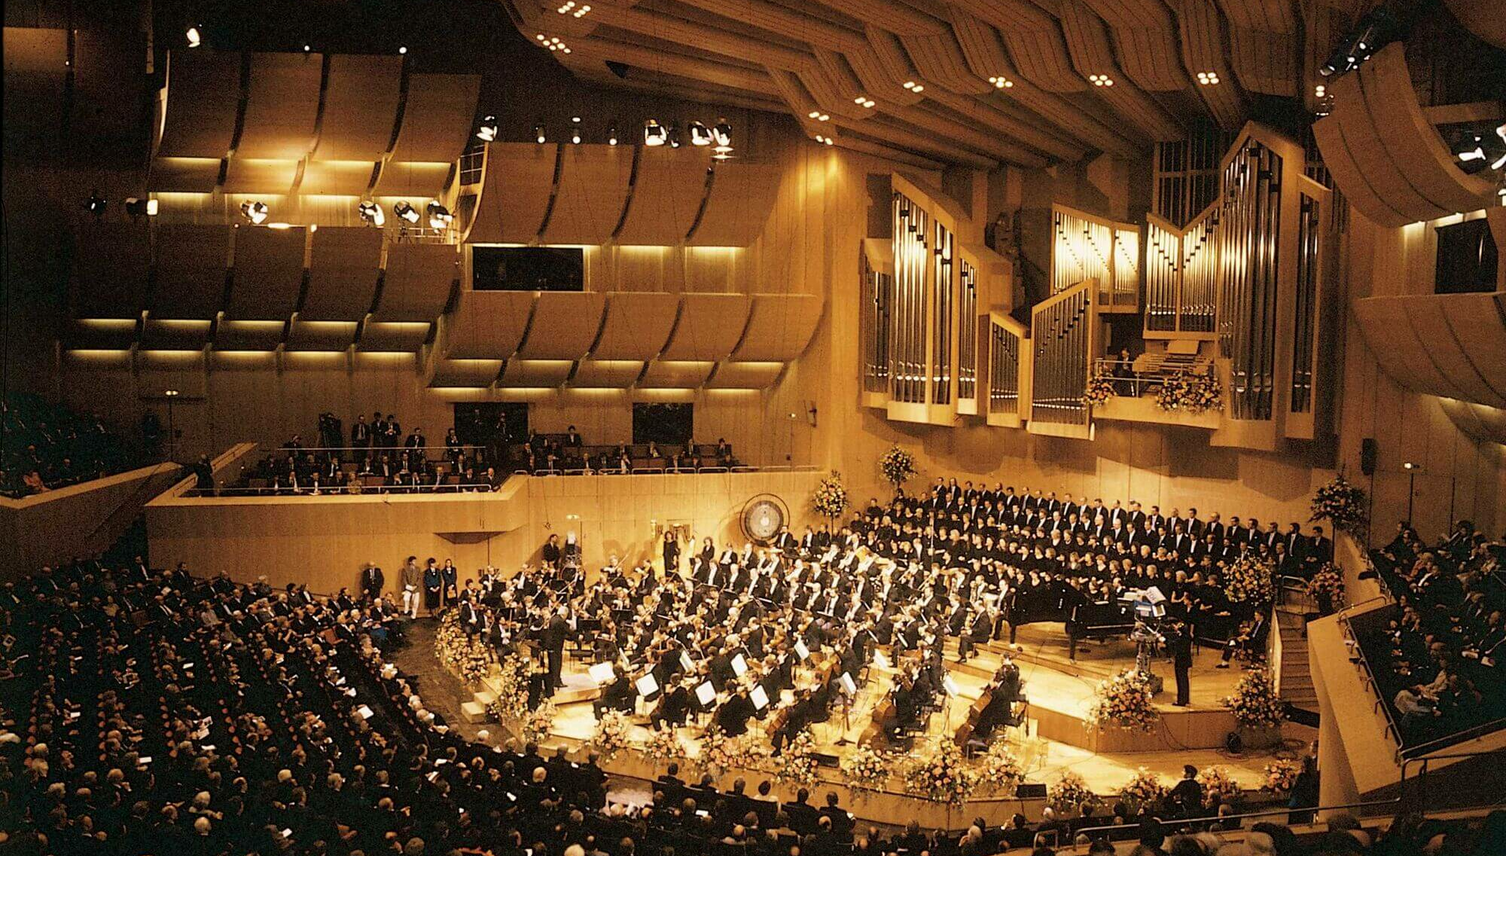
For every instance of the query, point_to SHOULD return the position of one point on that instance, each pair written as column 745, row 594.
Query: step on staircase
column 1296, row 679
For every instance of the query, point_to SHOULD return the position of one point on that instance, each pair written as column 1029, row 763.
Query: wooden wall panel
column 779, row 328
column 344, row 265
column 596, row 373
column 637, row 326
column 464, row 373
column 199, row 116
column 248, row 335
column 192, row 262
column 535, row 373
column 268, row 275
column 393, row 336
column 282, row 105
column 335, row 178
column 182, row 174
column 591, row 195
column 174, row 334
column 437, row 117
column 745, row 375
column 244, row 175
column 670, row 374
column 316, row 336
column 564, row 325
column 417, row 283
column 112, row 263
column 710, row 326
column 515, row 195
column 360, row 107
column 487, row 324
column 668, row 188
column 742, row 195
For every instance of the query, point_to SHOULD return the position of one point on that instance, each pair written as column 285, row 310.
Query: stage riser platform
column 1177, row 731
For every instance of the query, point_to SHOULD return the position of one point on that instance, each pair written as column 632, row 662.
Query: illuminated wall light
column 612, row 135
column 1207, row 78
column 402, row 51
column 999, row 81
column 538, row 133
column 575, row 129
column 307, row 49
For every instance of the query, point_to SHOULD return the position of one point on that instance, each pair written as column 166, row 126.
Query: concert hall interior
column 754, row 428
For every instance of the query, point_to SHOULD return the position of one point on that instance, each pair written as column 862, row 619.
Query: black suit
column 372, row 581
column 554, row 646
column 1179, row 645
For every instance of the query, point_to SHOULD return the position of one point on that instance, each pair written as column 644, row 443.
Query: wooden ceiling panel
column 668, row 189
column 591, row 195
column 282, row 105
column 437, row 115
column 360, row 107
column 515, row 195
column 198, row 112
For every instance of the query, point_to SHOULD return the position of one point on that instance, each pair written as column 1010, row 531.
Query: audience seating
column 48, row 446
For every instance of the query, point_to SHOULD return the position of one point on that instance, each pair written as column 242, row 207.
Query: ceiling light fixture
column 538, row 133
column 195, row 36
column 1100, row 81
column 999, row 81
column 1207, row 78
column 488, row 130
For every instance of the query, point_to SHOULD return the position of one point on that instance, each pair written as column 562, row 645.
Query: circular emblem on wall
column 763, row 516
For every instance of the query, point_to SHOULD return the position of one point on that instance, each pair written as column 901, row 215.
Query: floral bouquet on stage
column 534, row 726
column 830, row 498
column 1124, row 701
column 898, row 466
column 1341, row 503
column 611, row 734
column 1327, row 584
column 1217, row 781
column 720, row 753
column 1070, row 792
column 797, row 765
column 942, row 776
column 459, row 653
column 1251, row 580
column 1000, row 770
column 663, row 746
column 512, row 689
column 1144, row 791
column 1254, row 702
column 1187, row 391
column 1100, row 390
column 1281, row 775
column 867, row 769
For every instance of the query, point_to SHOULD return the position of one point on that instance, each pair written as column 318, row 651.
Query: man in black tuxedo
column 372, row 580
column 554, row 635
column 1179, row 645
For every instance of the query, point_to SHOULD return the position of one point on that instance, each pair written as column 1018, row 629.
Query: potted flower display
column 663, row 746
column 797, row 765
column 1124, row 701
column 1070, row 792
column 1217, row 782
column 1342, row 504
column 898, row 466
column 611, row 735
column 941, row 776
column 1257, row 708
column 1100, row 390
column 867, row 770
column 1145, row 790
column 1281, row 776
column 1000, row 771
column 1187, row 391
column 1326, row 587
column 830, row 498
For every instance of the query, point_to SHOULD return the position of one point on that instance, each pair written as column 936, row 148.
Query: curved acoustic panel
column 282, row 105
column 1348, row 177
column 669, row 374
column 248, row 335
column 606, row 373
column 1483, row 423
column 741, row 198
column 389, row 336
column 268, row 273
column 344, row 264
column 668, row 188
column 564, row 325
column 417, row 282
column 637, row 326
column 360, row 107
column 543, row 373
column 111, row 265
column 1418, row 341
column 320, row 335
column 337, row 177
column 413, row 179
column 244, row 175
column 192, row 262
column 101, row 334
column 202, row 99
column 590, row 197
column 515, row 195
column 487, row 324
column 464, row 373
column 181, row 174
column 437, row 117
column 745, row 375
column 780, row 327
column 174, row 334
column 710, row 326
column 1477, row 16
column 1363, row 135
column 1262, row 44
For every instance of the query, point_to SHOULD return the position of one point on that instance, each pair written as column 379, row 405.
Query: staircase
column 1296, row 679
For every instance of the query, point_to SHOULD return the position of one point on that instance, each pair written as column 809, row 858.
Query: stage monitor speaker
column 1031, row 792
column 1368, row 450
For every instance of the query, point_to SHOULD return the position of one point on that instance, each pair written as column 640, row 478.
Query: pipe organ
column 1008, row 352
column 1086, row 247
column 908, row 356
column 943, row 330
column 1181, row 270
column 874, row 319
column 1064, row 342
column 967, row 335
column 1248, row 290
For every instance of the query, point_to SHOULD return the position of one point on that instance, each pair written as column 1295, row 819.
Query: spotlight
column 575, row 129
column 722, row 134
column 700, row 135
column 405, row 211
column 1476, row 151
column 612, row 135
column 307, row 49
column 538, row 133
column 488, row 130
column 402, row 51
column 371, row 213
column 96, row 204
column 1376, row 29
column 136, row 207
column 654, row 134
column 194, row 35
column 255, row 211
column 439, row 217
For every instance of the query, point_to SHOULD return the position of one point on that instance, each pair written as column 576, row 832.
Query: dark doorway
column 1466, row 258
column 666, row 424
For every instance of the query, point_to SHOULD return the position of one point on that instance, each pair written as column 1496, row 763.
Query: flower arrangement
column 534, row 725
column 1145, row 790
column 1000, row 770
column 1123, row 701
column 1216, row 780
column 1327, row 586
column 512, row 689
column 898, row 466
column 1187, row 391
column 720, row 753
column 611, row 735
column 663, row 746
column 867, row 769
column 797, row 765
column 1070, row 792
column 1099, row 391
column 1281, row 775
column 942, row 776
column 830, row 498
column 459, row 653
column 1341, row 503
column 1254, row 702
column 1251, row 580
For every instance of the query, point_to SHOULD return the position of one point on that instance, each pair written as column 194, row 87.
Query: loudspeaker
column 1031, row 792
column 1368, row 449
column 1233, row 742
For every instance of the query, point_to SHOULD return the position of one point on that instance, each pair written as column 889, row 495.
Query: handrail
column 1424, row 764
column 1242, row 816
column 1372, row 684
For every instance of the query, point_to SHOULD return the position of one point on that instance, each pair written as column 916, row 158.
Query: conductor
column 1179, row 645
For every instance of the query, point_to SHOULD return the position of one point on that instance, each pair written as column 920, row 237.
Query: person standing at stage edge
column 554, row 645
column 1179, row 645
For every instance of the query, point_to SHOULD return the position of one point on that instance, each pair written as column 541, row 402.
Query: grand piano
column 1056, row 600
